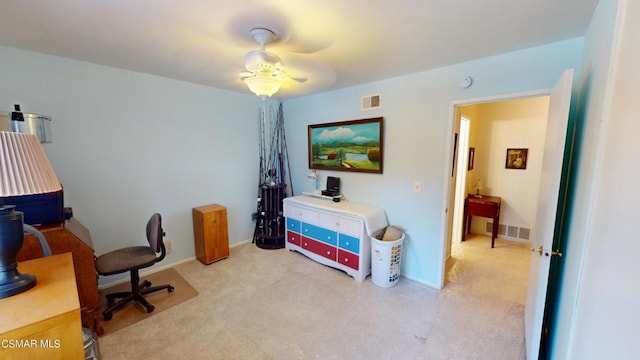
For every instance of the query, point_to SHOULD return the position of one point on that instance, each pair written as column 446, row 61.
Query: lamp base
column 11, row 238
column 14, row 283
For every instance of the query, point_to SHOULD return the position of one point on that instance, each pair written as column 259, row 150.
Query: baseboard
column 164, row 267
column 146, row 272
column 420, row 281
column 231, row 246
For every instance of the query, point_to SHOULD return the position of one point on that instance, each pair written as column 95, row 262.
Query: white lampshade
column 24, row 170
column 313, row 176
column 24, row 167
column 477, row 187
column 264, row 83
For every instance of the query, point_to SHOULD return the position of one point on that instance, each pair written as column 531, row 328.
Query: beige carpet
column 162, row 300
column 280, row 305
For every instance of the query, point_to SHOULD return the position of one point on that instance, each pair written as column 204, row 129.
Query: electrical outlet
column 417, row 186
column 167, row 246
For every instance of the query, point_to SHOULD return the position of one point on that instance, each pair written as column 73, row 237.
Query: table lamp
column 478, row 188
column 24, row 170
column 313, row 176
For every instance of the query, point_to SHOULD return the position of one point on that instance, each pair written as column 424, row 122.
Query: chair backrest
column 155, row 233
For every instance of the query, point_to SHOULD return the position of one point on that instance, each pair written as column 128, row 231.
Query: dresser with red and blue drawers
column 335, row 234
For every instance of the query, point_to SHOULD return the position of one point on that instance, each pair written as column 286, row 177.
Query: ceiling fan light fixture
column 264, row 85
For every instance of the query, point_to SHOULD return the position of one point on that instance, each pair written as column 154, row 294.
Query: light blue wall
column 418, row 128
column 127, row 144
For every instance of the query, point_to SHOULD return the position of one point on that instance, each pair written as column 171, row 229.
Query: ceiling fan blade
column 246, row 74
column 298, row 79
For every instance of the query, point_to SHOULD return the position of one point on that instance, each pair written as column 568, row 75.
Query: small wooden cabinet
column 210, row 233
column 333, row 234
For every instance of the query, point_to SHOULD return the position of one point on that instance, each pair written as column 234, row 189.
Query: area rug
column 162, row 300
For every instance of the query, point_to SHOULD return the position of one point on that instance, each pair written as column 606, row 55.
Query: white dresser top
column 374, row 218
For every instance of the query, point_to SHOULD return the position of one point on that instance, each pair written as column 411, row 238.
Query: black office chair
column 133, row 259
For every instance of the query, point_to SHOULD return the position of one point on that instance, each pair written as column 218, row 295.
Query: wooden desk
column 71, row 236
column 484, row 206
column 43, row 322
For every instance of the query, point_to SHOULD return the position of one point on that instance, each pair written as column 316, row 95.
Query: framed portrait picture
column 516, row 159
column 355, row 145
column 472, row 158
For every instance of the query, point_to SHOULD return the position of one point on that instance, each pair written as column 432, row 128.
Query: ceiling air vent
column 370, row 102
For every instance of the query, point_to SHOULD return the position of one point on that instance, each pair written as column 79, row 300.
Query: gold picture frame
column 355, row 145
column 516, row 159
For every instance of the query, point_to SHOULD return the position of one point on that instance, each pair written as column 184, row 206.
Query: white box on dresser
column 335, row 234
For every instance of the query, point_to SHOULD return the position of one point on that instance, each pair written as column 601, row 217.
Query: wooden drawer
column 332, row 235
column 348, row 259
column 349, row 243
column 293, row 225
column 319, row 248
column 325, row 235
column 482, row 209
column 341, row 224
column 293, row 238
column 300, row 213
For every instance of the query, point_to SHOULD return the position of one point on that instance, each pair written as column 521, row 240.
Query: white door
column 461, row 181
column 546, row 213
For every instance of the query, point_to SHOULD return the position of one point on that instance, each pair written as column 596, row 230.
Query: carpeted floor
column 276, row 304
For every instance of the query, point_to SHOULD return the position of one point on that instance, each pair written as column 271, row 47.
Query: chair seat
column 125, row 259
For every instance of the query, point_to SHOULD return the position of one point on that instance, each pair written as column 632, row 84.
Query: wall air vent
column 508, row 231
column 512, row 231
column 370, row 102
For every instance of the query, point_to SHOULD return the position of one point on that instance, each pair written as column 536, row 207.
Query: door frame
column 449, row 181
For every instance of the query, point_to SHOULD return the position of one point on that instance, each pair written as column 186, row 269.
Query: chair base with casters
column 138, row 290
column 133, row 259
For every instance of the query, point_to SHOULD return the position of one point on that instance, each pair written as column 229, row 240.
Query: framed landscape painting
column 355, row 145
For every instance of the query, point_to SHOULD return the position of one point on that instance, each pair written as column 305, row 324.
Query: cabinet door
column 210, row 233
column 319, row 248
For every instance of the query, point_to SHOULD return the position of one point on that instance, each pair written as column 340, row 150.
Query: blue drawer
column 315, row 232
column 293, row 225
column 349, row 243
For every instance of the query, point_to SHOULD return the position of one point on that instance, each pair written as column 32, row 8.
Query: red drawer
column 319, row 248
column 348, row 259
column 293, row 238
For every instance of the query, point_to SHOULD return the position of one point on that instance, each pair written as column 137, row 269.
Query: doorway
column 489, row 128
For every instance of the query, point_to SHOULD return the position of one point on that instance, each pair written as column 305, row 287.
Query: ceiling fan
column 264, row 72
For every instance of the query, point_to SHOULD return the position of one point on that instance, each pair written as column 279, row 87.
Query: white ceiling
column 334, row 43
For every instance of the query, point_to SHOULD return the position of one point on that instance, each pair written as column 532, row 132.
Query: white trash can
column 386, row 257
